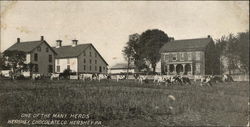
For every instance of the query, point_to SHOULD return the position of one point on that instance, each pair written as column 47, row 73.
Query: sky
column 107, row 24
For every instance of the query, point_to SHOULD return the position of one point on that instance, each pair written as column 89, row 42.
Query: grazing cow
column 215, row 79
column 85, row 77
column 206, row 81
column 177, row 79
column 142, row 78
column 168, row 80
column 108, row 76
column 36, row 76
column 160, row 79
column 186, row 80
column 54, row 76
column 227, row 78
column 101, row 77
column 156, row 78
column 120, row 77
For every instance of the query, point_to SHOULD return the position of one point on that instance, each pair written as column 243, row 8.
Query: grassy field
column 128, row 104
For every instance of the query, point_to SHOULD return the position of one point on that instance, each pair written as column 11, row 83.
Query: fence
column 240, row 77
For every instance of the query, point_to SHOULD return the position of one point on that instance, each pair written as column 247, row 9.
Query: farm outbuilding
column 122, row 68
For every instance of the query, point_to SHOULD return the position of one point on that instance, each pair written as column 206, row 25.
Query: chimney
column 18, row 40
column 74, row 42
column 42, row 38
column 208, row 36
column 58, row 43
column 171, row 39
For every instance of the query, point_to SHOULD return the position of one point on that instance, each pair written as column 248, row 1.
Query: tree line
column 233, row 51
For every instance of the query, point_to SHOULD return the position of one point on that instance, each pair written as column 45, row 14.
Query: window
column 198, row 56
column 47, row 49
column 39, row 49
column 182, row 56
column 90, row 61
column 95, row 61
column 35, row 57
column 95, row 68
column 50, row 58
column 84, row 53
column 189, row 54
column 57, row 68
column 162, row 57
column 84, row 61
column 68, row 67
column 90, row 54
column 103, row 68
column 90, row 67
column 84, row 67
column 197, row 68
column 68, row 61
column 90, row 47
column 166, row 57
column 50, row 68
column 174, row 57
column 36, row 68
column 95, row 54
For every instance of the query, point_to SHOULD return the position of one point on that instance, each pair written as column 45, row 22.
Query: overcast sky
column 107, row 24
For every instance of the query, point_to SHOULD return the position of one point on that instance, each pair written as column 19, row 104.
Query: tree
column 220, row 47
column 66, row 73
column 15, row 60
column 129, row 50
column 243, row 46
column 236, row 51
column 149, row 44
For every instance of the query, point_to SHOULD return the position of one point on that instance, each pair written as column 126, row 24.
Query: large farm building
column 80, row 58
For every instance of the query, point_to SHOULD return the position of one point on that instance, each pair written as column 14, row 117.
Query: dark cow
column 186, row 80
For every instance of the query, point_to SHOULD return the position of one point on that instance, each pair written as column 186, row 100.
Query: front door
column 100, row 69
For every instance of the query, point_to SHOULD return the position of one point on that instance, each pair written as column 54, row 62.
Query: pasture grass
column 127, row 103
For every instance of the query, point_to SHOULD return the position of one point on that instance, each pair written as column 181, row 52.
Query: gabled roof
column 28, row 46
column 198, row 44
column 122, row 66
column 69, row 51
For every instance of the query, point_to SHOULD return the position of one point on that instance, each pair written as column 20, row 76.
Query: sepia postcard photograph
column 124, row 63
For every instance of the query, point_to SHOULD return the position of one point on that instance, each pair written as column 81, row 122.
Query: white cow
column 156, row 78
column 206, row 81
column 142, row 78
column 159, row 79
column 36, row 76
column 101, row 77
column 5, row 73
column 86, row 76
column 54, row 76
column 120, row 77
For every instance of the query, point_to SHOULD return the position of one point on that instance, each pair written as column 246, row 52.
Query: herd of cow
column 157, row 79
column 184, row 80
